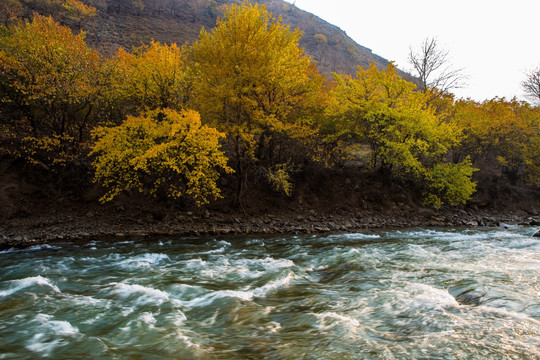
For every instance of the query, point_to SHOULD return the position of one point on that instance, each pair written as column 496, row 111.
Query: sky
column 495, row 42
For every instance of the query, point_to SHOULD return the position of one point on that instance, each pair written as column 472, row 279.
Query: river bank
column 117, row 222
column 40, row 207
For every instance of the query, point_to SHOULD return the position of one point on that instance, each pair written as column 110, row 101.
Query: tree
column 153, row 76
column 407, row 137
column 503, row 134
column 161, row 150
column 433, row 69
column 251, row 79
column 50, row 81
column 78, row 11
column 531, row 86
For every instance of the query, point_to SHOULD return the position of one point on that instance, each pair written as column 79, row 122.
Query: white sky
column 495, row 42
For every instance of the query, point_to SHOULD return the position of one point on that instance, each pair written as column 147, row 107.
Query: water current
column 410, row 294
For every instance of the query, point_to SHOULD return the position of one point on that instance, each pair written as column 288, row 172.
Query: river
column 409, row 294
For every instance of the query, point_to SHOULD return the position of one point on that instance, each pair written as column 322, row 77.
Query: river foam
column 17, row 285
column 410, row 294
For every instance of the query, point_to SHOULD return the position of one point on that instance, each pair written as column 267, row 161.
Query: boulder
column 426, row 212
column 537, row 234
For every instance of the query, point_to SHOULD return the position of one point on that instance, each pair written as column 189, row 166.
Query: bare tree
column 531, row 85
column 433, row 69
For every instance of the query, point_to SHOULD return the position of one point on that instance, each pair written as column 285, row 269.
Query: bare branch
column 531, row 85
column 433, row 70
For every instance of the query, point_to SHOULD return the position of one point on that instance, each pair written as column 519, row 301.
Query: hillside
column 129, row 23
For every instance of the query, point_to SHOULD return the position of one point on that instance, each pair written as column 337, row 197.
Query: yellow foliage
column 320, row 38
column 252, row 80
column 171, row 148
column 51, row 152
column 151, row 77
column 50, row 74
column 78, row 11
column 407, row 136
column 250, row 73
column 451, row 183
column 507, row 132
column 280, row 178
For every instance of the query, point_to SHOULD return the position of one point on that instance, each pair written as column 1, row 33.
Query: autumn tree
column 502, row 134
column 50, row 80
column 78, row 11
column 406, row 136
column 531, row 86
column 250, row 80
column 161, row 150
column 152, row 76
column 66, row 11
column 433, row 68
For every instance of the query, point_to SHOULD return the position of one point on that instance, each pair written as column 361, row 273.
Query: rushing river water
column 417, row 294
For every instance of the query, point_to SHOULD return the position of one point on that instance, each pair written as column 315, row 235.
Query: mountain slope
column 129, row 23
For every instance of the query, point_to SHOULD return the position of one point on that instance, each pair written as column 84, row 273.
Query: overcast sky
column 495, row 42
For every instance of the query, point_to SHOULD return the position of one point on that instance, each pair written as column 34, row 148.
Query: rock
column 426, row 212
column 537, row 234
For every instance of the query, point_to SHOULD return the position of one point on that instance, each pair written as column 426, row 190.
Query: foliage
column 50, row 75
column 78, row 11
column 252, row 80
column 258, row 94
column 451, row 183
column 320, row 38
column 50, row 83
column 280, row 178
column 503, row 133
column 406, row 135
column 161, row 149
column 153, row 76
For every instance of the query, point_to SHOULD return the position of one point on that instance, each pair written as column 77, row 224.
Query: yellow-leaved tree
column 51, row 83
column 153, row 76
column 252, row 80
column 503, row 135
column 161, row 150
column 406, row 136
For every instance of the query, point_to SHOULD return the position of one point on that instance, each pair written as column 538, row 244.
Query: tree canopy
column 163, row 119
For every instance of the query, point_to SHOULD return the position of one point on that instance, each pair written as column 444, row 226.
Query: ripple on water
column 34, row 281
column 429, row 294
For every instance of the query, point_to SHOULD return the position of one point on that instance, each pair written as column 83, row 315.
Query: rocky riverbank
column 118, row 223
column 38, row 206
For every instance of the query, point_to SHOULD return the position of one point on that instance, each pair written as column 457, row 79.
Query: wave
column 144, row 260
column 329, row 320
column 57, row 327
column 31, row 248
column 428, row 297
column 50, row 334
column 143, row 294
column 28, row 282
column 7, row 251
column 245, row 295
column 209, row 298
column 359, row 236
